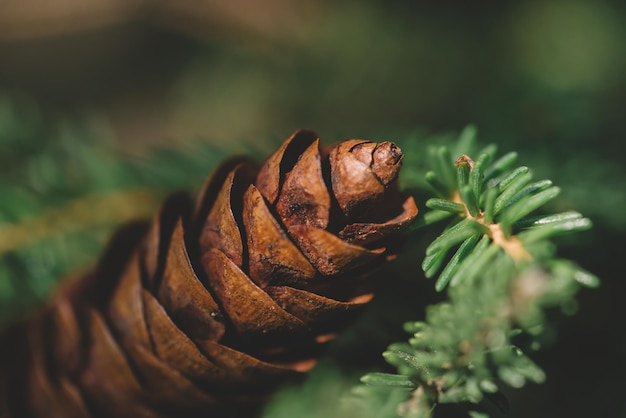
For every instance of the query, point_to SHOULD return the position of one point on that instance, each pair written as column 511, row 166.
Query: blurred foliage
column 97, row 124
column 64, row 189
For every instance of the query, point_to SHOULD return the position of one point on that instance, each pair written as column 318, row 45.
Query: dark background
column 545, row 78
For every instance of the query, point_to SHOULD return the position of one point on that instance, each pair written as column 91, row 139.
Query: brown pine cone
column 206, row 310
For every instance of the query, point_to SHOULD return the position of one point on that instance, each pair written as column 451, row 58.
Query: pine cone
column 205, row 310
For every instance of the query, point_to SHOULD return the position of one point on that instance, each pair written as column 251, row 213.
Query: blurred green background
column 106, row 105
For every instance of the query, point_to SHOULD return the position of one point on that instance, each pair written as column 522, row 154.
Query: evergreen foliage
column 500, row 267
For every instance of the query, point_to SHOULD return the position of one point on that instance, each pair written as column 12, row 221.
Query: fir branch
column 501, row 273
column 495, row 200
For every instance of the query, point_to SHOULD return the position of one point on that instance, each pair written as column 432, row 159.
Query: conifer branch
column 501, row 272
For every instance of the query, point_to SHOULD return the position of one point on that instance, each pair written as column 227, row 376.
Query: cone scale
column 204, row 310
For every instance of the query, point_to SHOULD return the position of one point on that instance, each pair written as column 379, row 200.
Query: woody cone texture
column 203, row 311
